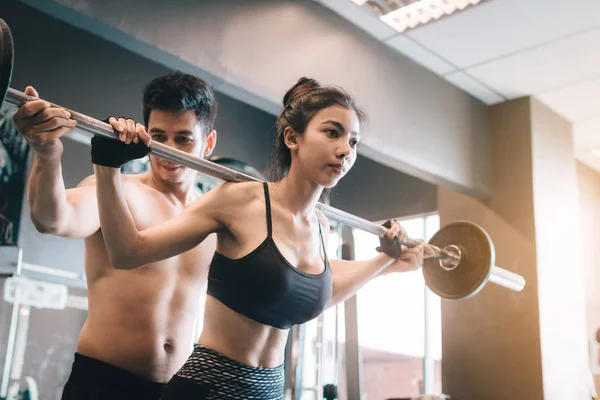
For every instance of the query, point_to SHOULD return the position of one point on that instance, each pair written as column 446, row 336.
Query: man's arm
column 69, row 213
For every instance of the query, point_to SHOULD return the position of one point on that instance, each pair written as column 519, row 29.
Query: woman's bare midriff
column 240, row 338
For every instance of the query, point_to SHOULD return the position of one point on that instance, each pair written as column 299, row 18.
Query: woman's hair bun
column 303, row 86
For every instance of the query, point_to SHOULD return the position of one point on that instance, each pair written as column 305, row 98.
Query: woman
column 270, row 270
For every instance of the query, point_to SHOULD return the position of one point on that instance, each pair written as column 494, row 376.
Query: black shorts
column 93, row 379
column 208, row 375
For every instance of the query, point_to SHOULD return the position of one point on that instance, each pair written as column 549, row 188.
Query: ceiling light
column 407, row 14
column 595, row 152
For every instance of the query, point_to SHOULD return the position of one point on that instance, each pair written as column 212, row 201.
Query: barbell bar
column 459, row 269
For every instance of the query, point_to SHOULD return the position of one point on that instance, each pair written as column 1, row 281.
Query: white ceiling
column 504, row 49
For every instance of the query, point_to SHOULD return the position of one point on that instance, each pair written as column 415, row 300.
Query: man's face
column 183, row 131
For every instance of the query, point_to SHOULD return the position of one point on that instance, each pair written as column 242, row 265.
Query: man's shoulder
column 135, row 181
column 88, row 181
column 91, row 179
column 130, row 182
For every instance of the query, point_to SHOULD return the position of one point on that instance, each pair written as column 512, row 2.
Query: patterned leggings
column 209, row 375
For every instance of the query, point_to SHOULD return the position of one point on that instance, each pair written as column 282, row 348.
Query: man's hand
column 42, row 125
column 132, row 144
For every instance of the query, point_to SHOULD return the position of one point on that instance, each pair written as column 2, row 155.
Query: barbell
column 464, row 255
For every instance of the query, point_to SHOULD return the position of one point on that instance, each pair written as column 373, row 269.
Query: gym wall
column 530, row 345
column 419, row 122
column 589, row 199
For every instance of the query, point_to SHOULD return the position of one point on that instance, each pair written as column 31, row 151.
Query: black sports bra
column 265, row 287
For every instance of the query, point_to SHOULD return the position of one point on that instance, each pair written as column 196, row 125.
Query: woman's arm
column 129, row 248
column 350, row 276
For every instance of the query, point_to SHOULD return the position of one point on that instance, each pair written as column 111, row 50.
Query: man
column 138, row 332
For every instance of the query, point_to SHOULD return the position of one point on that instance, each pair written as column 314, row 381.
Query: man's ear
column 210, row 140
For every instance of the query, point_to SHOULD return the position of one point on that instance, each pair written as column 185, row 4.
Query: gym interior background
column 451, row 137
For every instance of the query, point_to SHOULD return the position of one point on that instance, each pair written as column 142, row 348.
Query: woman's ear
column 290, row 138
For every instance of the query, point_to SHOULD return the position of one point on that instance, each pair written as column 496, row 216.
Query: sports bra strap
column 322, row 242
column 270, row 222
column 268, row 204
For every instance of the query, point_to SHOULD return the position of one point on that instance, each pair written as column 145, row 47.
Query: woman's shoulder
column 240, row 192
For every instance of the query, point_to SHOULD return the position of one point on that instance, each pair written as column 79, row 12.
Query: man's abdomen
column 150, row 336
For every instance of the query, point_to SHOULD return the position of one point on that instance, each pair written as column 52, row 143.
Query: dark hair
column 300, row 104
column 178, row 91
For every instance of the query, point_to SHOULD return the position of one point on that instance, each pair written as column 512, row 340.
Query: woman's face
column 327, row 149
